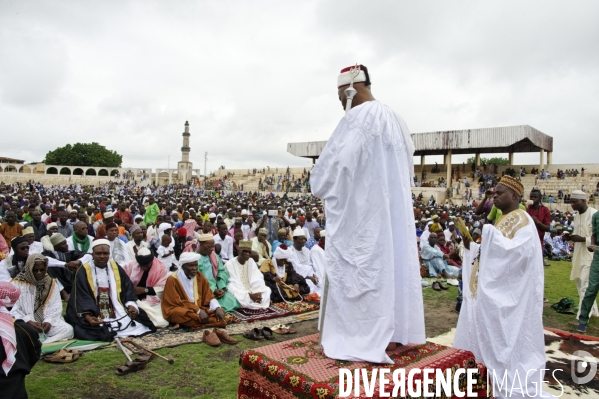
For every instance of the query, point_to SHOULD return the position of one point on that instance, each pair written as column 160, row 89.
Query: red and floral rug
column 296, row 369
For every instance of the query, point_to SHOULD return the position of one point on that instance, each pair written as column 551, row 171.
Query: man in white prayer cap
column 246, row 282
column 366, row 170
column 581, row 237
column 102, row 303
column 302, row 262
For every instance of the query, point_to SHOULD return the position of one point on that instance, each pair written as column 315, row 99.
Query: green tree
column 84, row 154
column 488, row 161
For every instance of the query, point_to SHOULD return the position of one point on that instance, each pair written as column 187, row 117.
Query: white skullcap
column 323, row 233
column 189, row 257
column 206, row 237
column 163, row 227
column 138, row 217
column 292, row 221
column 174, row 213
column 212, row 215
column 429, row 224
column 144, row 252
column 101, row 241
column 299, row 232
column 451, row 224
column 50, row 225
column 578, row 194
column 108, row 215
column 244, row 212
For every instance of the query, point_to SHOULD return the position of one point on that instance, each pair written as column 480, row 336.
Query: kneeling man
column 187, row 299
column 246, row 281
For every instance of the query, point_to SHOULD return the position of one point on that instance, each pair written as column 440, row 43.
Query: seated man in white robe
column 148, row 276
column 137, row 241
column 40, row 303
column 501, row 319
column 118, row 250
column 246, row 281
column 102, row 304
column 302, row 263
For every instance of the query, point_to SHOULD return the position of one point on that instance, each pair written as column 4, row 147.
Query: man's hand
column 220, row 314
column 296, row 288
column 46, row 327
column 132, row 312
column 73, row 265
column 37, row 326
column 277, row 279
column 219, row 294
column 312, row 278
column 576, row 238
column 203, row 316
column 466, row 242
column 140, row 290
column 92, row 320
column 257, row 297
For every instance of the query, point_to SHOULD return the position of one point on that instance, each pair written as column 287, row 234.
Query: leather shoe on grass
column 224, row 337
column 211, row 338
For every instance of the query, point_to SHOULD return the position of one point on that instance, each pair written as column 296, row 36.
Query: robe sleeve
column 128, row 295
column 23, row 308
column 53, row 310
column 81, row 300
column 222, row 278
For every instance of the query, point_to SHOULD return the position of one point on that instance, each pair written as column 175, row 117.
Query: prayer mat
column 168, row 338
column 249, row 315
column 296, row 369
column 79, row 344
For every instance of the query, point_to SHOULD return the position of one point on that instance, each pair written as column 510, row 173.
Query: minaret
column 185, row 149
column 184, row 167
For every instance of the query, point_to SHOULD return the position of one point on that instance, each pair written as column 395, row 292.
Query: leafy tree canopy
column 490, row 161
column 84, row 154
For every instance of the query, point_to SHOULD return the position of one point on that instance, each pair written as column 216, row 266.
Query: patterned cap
column 513, row 184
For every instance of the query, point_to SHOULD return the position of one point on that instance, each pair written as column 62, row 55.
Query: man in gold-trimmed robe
column 501, row 315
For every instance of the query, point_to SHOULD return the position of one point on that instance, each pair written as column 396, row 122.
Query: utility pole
column 205, row 170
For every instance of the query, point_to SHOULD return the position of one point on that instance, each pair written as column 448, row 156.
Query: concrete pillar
column 549, row 157
column 170, row 178
column 448, row 167
column 511, row 158
column 541, row 160
column 477, row 159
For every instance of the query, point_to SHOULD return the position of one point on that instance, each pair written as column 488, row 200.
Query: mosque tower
column 184, row 166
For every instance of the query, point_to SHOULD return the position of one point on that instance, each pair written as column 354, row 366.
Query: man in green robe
column 152, row 212
column 212, row 267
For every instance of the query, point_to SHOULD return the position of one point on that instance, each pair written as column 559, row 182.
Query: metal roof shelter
column 510, row 139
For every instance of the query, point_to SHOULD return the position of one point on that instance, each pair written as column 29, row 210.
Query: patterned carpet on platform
column 296, row 369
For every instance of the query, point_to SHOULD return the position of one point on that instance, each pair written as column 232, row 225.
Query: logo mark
column 583, row 362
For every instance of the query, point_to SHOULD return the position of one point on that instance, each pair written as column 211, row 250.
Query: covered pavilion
column 508, row 139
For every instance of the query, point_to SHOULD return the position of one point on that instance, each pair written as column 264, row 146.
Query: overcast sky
column 251, row 76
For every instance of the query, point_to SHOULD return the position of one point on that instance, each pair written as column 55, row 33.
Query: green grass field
column 201, row 371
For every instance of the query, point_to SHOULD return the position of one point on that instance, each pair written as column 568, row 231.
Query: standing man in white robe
column 246, row 281
column 581, row 237
column 365, row 172
column 501, row 319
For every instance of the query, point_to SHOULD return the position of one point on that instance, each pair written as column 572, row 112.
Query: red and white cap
column 345, row 78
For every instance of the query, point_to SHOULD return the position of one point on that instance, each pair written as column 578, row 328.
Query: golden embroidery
column 511, row 223
column 508, row 225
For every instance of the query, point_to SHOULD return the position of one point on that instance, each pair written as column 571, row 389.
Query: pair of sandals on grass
column 63, row 356
column 258, row 334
